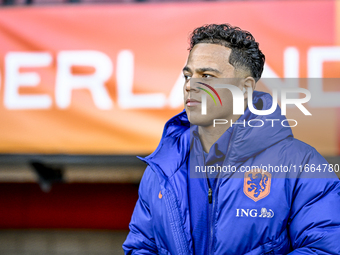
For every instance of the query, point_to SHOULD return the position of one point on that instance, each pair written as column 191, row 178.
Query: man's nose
column 191, row 86
column 187, row 86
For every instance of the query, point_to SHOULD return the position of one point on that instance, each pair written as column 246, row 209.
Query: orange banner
column 104, row 79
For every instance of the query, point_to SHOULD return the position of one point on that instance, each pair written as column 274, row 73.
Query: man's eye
column 187, row 77
column 207, row 76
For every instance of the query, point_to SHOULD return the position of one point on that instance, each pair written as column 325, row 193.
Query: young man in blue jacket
column 183, row 208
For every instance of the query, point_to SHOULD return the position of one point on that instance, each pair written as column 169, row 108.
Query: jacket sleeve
column 314, row 224
column 140, row 239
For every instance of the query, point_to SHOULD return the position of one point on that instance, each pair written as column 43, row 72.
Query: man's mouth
column 192, row 102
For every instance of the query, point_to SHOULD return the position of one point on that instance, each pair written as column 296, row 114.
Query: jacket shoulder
column 297, row 149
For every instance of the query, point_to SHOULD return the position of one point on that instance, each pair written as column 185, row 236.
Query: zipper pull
column 210, row 195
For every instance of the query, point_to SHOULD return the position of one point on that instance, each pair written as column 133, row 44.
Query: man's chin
column 196, row 118
column 200, row 122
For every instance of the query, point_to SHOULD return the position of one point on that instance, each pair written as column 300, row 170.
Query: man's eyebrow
column 187, row 69
column 205, row 69
column 202, row 70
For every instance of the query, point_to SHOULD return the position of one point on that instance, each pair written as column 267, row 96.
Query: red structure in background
column 89, row 206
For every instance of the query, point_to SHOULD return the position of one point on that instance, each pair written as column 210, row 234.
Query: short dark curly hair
column 245, row 53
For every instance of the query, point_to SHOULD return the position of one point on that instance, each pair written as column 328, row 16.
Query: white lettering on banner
column 126, row 99
column 175, row 98
column 15, row 79
column 291, row 60
column 316, row 57
column 66, row 82
column 291, row 64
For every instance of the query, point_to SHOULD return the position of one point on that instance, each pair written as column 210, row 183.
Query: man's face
column 205, row 63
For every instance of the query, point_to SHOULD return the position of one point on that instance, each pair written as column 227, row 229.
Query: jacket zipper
column 209, row 191
column 211, row 215
column 210, row 195
column 212, row 201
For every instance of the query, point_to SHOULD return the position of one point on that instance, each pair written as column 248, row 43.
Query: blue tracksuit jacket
column 295, row 212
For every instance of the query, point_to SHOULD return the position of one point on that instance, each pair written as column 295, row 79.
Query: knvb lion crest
column 257, row 184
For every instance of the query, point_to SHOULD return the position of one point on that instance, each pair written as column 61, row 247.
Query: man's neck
column 210, row 134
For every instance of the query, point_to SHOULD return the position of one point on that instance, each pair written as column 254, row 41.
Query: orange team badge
column 257, row 184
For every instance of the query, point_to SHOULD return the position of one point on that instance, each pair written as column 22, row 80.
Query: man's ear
column 249, row 82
